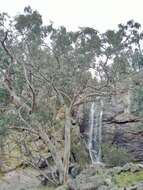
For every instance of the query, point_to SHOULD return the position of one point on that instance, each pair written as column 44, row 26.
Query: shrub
column 128, row 178
column 114, row 155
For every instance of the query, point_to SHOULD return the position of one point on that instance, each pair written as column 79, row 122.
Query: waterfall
column 95, row 131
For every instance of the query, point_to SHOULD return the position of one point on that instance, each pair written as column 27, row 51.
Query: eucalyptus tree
column 41, row 63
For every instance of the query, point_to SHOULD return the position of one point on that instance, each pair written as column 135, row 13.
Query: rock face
column 123, row 129
column 121, row 125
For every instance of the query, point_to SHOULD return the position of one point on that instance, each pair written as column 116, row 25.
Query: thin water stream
column 95, row 131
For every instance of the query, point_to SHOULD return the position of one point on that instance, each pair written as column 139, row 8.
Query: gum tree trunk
column 67, row 144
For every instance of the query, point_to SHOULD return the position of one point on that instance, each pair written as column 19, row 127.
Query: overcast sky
column 100, row 14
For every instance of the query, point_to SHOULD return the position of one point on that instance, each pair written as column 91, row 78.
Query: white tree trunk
column 67, row 144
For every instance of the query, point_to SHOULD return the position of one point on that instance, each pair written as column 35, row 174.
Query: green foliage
column 128, row 178
column 29, row 21
column 114, row 38
column 114, row 155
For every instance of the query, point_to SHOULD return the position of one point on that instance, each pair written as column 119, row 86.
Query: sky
column 99, row 14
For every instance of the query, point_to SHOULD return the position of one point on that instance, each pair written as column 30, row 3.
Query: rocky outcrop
column 109, row 179
column 25, row 179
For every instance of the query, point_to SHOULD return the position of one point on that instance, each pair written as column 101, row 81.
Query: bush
column 114, row 155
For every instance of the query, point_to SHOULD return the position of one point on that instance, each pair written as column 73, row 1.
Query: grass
column 127, row 178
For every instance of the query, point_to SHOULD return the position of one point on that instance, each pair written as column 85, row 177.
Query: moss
column 128, row 178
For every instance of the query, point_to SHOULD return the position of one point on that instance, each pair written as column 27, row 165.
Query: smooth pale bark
column 67, row 144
